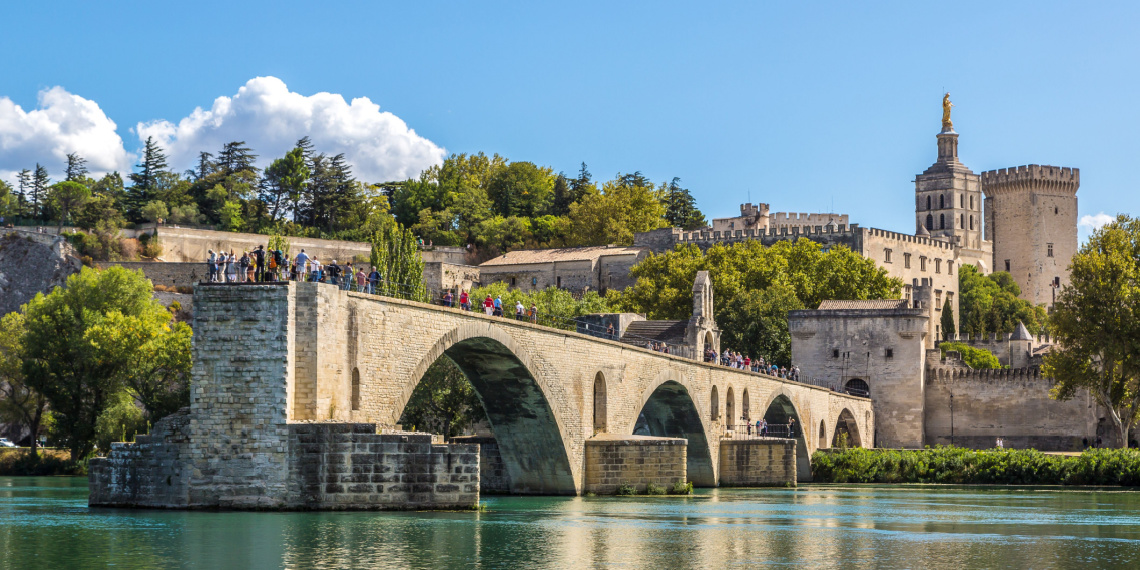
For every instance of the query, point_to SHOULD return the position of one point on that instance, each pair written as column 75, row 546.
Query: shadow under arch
column 526, row 428
column 778, row 412
column 846, row 424
column 671, row 412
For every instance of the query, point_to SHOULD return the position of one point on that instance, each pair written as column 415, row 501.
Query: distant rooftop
column 868, row 304
column 591, row 253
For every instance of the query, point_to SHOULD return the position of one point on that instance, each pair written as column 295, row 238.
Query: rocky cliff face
column 31, row 263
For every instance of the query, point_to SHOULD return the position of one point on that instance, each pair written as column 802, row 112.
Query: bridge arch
column 669, row 409
column 845, row 424
column 781, row 407
column 600, row 411
column 531, row 433
column 730, row 410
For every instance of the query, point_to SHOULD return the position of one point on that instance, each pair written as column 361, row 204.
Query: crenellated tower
column 1031, row 217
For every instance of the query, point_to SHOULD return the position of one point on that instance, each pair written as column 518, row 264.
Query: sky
column 806, row 106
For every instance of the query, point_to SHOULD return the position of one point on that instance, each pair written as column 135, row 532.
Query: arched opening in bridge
column 846, row 431
column 744, row 415
column 599, row 403
column 709, row 348
column 671, row 412
column 822, row 435
column 714, row 404
column 729, row 410
column 858, row 387
column 480, row 382
column 779, row 415
column 355, row 388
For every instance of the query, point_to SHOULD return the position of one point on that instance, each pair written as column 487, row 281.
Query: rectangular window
column 962, row 201
column 835, row 353
column 949, row 267
column 906, row 292
column 937, row 300
column 559, row 282
column 922, row 263
column 906, row 260
column 1049, row 250
column 938, row 266
column 886, row 256
column 890, row 353
column 1007, row 265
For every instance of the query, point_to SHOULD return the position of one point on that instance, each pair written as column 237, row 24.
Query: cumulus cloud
column 1091, row 223
column 61, row 123
column 270, row 119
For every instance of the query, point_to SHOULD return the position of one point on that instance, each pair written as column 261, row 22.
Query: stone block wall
column 493, row 475
column 615, row 460
column 168, row 274
column 350, row 466
column 768, row 462
column 151, row 472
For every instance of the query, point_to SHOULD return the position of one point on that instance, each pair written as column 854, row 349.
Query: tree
column 236, row 157
column 284, row 182
column 1096, row 325
column 9, row 203
column 562, row 196
column 155, row 210
column 681, row 208
column 444, row 401
column 991, row 304
column 948, row 329
column 76, row 168
column 521, row 189
column 23, row 188
column 754, row 287
column 145, row 182
column 976, row 358
column 396, row 256
column 77, row 375
column 40, row 184
column 68, row 196
column 624, row 207
column 19, row 402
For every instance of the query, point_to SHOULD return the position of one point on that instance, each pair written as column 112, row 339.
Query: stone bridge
column 267, row 356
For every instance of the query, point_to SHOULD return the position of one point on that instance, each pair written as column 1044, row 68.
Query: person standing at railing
column 373, row 281
column 259, row 264
column 302, row 263
column 243, row 266
column 534, row 313
column 231, row 267
column 520, row 311
column 791, row 427
column 448, row 300
column 315, row 270
column 361, row 279
column 488, row 306
column 211, row 265
column 498, row 304
column 333, row 272
column 464, row 300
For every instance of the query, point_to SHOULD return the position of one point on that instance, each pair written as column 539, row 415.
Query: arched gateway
column 314, row 362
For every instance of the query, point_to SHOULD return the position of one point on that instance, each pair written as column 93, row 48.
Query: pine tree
column 76, row 167
column 680, row 207
column 236, row 157
column 205, row 166
column 40, row 183
column 580, row 185
column 563, row 196
column 24, row 187
column 145, row 182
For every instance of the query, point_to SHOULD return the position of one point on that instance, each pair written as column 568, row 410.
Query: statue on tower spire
column 947, row 124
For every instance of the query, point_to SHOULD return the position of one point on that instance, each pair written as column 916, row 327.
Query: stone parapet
column 614, row 460
column 761, row 462
column 1032, row 177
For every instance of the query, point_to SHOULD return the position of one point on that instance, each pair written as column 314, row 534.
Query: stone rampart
column 763, row 462
column 151, row 472
column 350, row 466
column 614, row 460
column 1032, row 177
column 168, row 274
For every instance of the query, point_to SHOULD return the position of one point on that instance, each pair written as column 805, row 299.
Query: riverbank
column 954, row 465
column 21, row 462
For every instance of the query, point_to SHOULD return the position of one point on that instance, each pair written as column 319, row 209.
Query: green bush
column 955, row 465
column 976, row 358
column 681, row 488
column 22, row 463
column 654, row 489
column 626, row 490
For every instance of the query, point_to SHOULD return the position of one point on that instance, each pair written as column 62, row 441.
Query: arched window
column 858, row 387
column 929, row 221
column 356, row 388
column 971, row 202
column 941, row 221
column 599, row 403
column 822, row 435
column 715, row 411
column 961, row 200
column 961, row 220
column 941, row 201
column 928, row 202
column 744, row 406
column 730, row 410
column 971, row 222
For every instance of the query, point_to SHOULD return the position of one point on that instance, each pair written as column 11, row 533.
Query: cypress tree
column 76, row 167
column 145, row 181
column 40, row 183
column 948, row 329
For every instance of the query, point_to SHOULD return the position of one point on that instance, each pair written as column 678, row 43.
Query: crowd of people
column 263, row 265
column 743, row 362
column 491, row 306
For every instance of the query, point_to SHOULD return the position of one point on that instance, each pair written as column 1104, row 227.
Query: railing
column 750, row 430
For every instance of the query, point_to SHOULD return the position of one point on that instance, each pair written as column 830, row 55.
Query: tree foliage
column 19, row 402
column 395, row 254
column 991, row 304
column 1096, row 325
column 754, row 287
column 444, row 401
column 976, row 358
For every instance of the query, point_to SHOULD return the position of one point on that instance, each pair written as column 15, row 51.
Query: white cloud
column 270, row 119
column 1091, row 223
column 62, row 123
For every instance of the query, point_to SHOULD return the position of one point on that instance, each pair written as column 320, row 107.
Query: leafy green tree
column 395, row 254
column 754, row 287
column 63, row 361
column 991, row 304
column 624, row 207
column 976, row 358
column 155, row 210
column 681, row 208
column 9, row 203
column 230, row 216
column 99, row 209
column 562, row 196
column 443, row 402
column 145, row 181
column 285, row 181
column 1096, row 325
column 76, row 168
column 521, row 189
column 68, row 197
column 19, row 402
column 948, row 329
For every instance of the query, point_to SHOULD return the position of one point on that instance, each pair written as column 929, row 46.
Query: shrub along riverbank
column 46, row 462
column 955, row 465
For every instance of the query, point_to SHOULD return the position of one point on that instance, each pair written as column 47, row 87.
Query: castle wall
column 791, row 219
column 573, row 275
column 169, row 274
column 1030, row 211
column 928, row 259
column 884, row 347
column 439, row 275
column 972, row 408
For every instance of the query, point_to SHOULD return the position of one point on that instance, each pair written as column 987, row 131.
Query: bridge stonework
column 536, row 383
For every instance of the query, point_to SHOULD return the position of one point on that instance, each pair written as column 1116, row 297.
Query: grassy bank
column 48, row 462
column 954, row 465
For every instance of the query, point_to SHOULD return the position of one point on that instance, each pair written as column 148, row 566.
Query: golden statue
column 947, row 124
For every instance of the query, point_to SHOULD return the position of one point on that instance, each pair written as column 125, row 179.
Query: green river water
column 45, row 524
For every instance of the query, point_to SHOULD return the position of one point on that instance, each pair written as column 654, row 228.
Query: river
column 45, row 523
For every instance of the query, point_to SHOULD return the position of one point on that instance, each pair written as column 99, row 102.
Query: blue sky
column 800, row 105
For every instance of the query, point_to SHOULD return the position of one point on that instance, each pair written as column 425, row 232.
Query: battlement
column 750, row 209
column 805, row 219
column 896, row 236
column 953, row 369
column 706, row 235
column 1032, row 177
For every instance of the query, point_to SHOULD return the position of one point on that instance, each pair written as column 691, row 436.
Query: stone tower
column 948, row 201
column 1031, row 217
